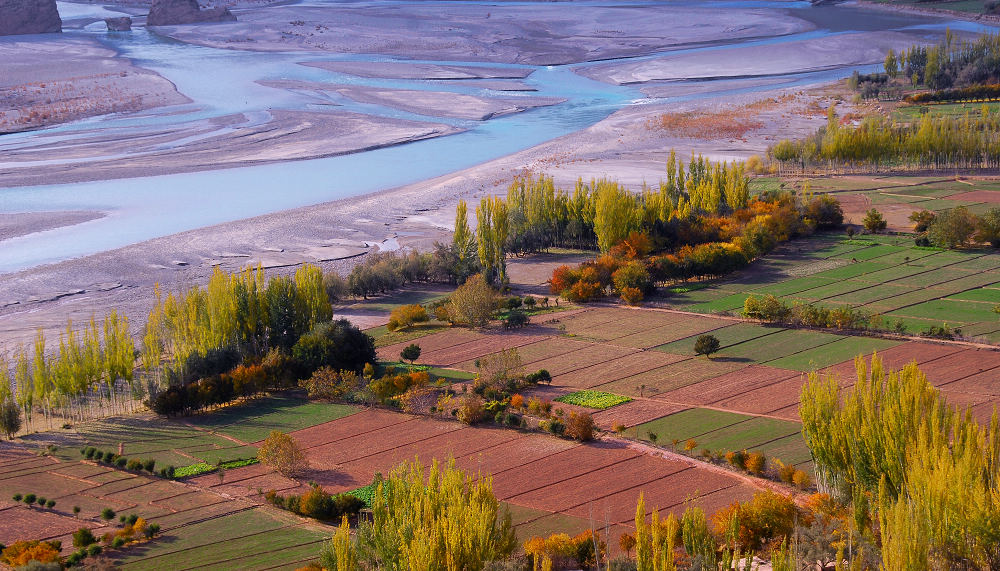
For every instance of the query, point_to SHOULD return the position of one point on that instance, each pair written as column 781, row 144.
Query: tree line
column 922, row 477
column 879, row 143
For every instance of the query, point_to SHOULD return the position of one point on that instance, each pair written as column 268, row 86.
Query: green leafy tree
column 952, row 228
column 873, row 221
column 891, row 64
column 493, row 228
column 410, row 353
column 922, row 220
column 10, row 417
column 988, row 228
column 706, row 345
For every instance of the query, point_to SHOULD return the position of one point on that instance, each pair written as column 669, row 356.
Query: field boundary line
column 410, row 419
column 255, row 554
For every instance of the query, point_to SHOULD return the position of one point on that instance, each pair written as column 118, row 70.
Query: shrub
column 517, row 401
column 22, row 553
column 801, row 479
column 134, row 464
column 50, row 504
column 41, row 501
column 326, row 383
column 785, row 471
column 406, row 316
column 94, row 550
column 706, row 345
column 554, row 426
column 149, row 465
column 471, row 409
column 30, row 499
column 18, row 497
column 530, row 302
column 580, row 427
column 736, row 459
column 281, row 452
column 767, row 516
column 89, row 452
column 121, row 461
column 118, row 542
column 107, row 514
column 513, row 302
column 516, row 319
column 873, row 221
column 690, row 445
column 83, row 537
column 754, row 463
column 168, row 472
column 151, row 530
column 76, row 510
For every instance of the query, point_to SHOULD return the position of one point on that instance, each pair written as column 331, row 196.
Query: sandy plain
column 631, row 145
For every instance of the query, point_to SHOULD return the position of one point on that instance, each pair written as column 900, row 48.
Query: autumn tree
column 473, row 303
column 491, row 235
column 436, row 519
column 281, row 452
column 988, row 228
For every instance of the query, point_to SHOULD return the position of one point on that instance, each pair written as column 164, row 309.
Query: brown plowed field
column 348, row 426
column 635, row 412
column 960, row 365
column 664, row 494
column 729, row 385
column 766, row 399
column 991, row 196
column 686, row 326
column 985, row 383
column 579, row 490
column 380, row 440
column 473, row 349
column 673, row 376
column 556, row 468
column 615, row 369
column 579, row 359
column 432, row 342
column 896, row 358
column 22, row 523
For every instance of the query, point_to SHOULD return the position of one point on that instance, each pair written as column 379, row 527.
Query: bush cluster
column 318, row 504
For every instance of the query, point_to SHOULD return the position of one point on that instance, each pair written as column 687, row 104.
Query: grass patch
column 252, row 422
column 832, row 353
column 778, row 345
column 593, row 399
column 691, row 423
column 727, row 336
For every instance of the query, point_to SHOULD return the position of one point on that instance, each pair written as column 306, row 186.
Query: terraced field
column 887, row 275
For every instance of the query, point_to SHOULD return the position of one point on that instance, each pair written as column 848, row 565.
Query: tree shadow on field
column 732, row 360
column 332, row 478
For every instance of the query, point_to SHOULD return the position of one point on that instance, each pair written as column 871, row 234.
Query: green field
column 723, row 431
column 593, row 399
column 886, row 275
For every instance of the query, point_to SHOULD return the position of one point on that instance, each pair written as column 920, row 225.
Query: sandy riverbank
column 621, row 147
column 631, row 145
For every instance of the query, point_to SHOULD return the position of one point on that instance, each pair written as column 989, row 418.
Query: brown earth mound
column 29, row 17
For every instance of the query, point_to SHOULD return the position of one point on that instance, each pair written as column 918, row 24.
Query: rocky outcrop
column 171, row 12
column 123, row 24
column 29, row 17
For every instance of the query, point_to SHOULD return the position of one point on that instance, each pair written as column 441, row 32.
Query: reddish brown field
column 686, row 326
column 32, row 523
column 768, row 399
column 991, row 196
column 729, row 385
column 431, row 342
column 959, row 365
column 615, row 369
column 579, row 359
column 635, row 412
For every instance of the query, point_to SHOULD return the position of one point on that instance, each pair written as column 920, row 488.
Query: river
column 143, row 208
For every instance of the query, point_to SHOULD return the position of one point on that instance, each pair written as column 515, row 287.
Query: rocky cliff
column 29, row 17
column 171, row 12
